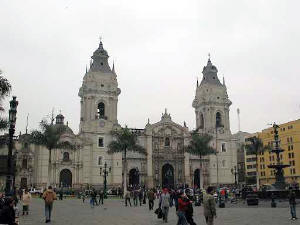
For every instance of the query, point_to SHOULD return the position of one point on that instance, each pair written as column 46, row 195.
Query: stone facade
column 166, row 162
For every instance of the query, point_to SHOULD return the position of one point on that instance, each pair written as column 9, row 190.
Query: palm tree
column 200, row 146
column 5, row 89
column 124, row 141
column 255, row 146
column 49, row 136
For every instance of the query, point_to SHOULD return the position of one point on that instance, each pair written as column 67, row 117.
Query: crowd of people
column 182, row 199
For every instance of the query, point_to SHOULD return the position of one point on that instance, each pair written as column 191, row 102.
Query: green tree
column 255, row 146
column 49, row 136
column 5, row 89
column 200, row 146
column 124, row 140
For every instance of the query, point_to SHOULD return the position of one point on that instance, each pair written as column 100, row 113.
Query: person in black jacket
column 2, row 200
column 7, row 215
column 189, row 212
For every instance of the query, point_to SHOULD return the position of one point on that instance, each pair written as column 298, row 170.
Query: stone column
column 149, row 179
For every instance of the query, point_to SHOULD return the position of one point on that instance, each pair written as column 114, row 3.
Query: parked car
column 35, row 191
column 252, row 199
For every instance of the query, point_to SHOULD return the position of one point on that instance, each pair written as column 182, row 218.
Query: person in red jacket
column 182, row 207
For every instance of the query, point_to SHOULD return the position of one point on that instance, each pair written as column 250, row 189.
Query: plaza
column 113, row 212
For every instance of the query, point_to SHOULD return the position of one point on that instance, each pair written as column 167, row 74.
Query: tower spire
column 113, row 68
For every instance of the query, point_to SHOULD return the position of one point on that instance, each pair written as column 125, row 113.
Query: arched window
column 218, row 119
column 24, row 163
column 201, row 121
column 167, row 142
column 66, row 156
column 101, row 110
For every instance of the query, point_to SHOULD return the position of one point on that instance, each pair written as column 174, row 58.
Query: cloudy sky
column 159, row 48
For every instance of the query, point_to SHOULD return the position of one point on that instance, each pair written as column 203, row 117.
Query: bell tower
column 99, row 94
column 211, row 102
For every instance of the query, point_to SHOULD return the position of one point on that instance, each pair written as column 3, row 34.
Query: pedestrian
column 7, row 215
column 83, row 196
column 20, row 193
column 127, row 198
column 164, row 204
column 189, row 212
column 209, row 206
column 182, row 208
column 2, row 201
column 292, row 201
column 49, row 196
column 93, row 200
column 141, row 196
column 61, row 194
column 26, row 198
column 101, row 197
column 151, row 197
column 135, row 197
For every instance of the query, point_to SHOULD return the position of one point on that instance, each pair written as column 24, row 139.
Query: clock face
column 102, row 123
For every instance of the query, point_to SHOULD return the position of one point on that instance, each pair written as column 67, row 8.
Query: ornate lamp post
column 234, row 172
column 104, row 172
column 12, row 123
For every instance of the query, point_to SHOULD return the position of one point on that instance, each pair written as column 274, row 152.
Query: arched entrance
column 197, row 178
column 65, row 178
column 168, row 176
column 134, row 177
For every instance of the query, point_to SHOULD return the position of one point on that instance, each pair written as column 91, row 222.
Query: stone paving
column 113, row 212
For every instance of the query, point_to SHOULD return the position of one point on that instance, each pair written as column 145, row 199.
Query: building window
column 291, row 139
column 66, row 156
column 223, row 147
column 223, row 163
column 288, row 139
column 100, row 160
column 218, row 119
column 24, row 163
column 167, row 142
column 201, row 121
column 292, row 147
column 100, row 142
column 289, row 148
column 292, row 154
column 101, row 110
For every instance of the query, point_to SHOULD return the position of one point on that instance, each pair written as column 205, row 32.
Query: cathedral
column 166, row 162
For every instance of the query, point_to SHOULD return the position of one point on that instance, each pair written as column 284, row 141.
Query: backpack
column 49, row 197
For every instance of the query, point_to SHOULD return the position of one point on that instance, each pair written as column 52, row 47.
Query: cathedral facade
column 166, row 162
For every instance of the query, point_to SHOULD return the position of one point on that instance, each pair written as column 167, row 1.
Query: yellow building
column 289, row 136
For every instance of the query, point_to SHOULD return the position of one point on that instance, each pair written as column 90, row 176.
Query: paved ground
column 73, row 212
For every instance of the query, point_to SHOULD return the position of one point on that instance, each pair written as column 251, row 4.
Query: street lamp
column 234, row 171
column 12, row 123
column 104, row 172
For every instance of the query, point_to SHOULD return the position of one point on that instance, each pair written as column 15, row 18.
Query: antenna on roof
column 27, row 123
column 239, row 121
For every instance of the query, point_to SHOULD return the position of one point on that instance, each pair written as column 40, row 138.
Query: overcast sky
column 159, row 48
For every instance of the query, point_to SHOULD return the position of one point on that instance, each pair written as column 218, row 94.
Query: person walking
column 101, row 197
column 151, row 197
column 141, row 196
column 93, row 200
column 135, row 197
column 83, row 196
column 164, row 204
column 209, row 206
column 49, row 196
column 189, row 212
column 127, row 198
column 26, row 198
column 183, row 201
column 292, row 201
